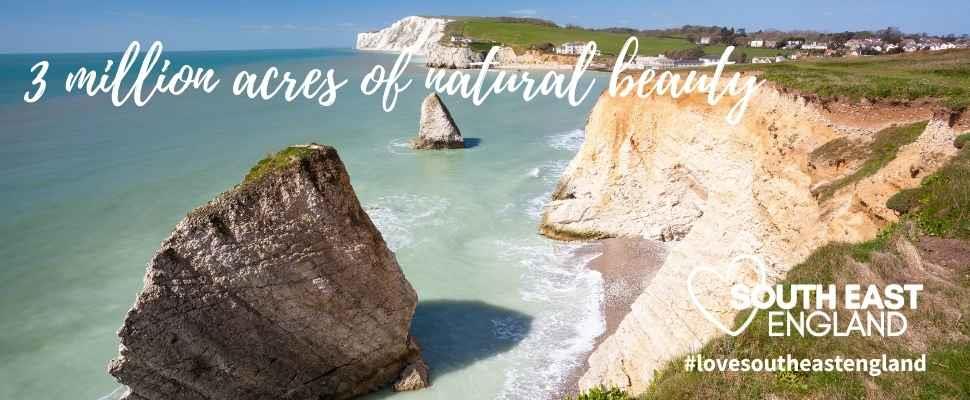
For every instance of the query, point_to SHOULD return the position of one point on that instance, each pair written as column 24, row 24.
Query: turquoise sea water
column 88, row 191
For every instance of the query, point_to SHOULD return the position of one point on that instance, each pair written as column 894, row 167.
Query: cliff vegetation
column 273, row 162
column 874, row 155
column 928, row 245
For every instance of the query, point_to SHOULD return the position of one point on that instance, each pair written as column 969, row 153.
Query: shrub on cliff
column 962, row 140
column 941, row 204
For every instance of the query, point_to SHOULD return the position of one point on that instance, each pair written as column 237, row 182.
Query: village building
column 704, row 40
column 659, row 62
column 815, row 46
column 757, row 43
column 459, row 39
column 573, row 49
column 909, row 45
column 709, row 61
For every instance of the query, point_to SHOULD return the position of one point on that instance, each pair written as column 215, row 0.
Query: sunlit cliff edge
column 675, row 170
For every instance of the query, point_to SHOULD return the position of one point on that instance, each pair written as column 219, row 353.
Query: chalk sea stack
column 280, row 288
column 438, row 129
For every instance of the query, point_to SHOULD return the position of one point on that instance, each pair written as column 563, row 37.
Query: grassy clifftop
column 522, row 34
column 941, row 75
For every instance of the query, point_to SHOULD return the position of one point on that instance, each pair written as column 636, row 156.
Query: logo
column 729, row 275
column 802, row 309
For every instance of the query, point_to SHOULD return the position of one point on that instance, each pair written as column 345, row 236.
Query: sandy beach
column 627, row 266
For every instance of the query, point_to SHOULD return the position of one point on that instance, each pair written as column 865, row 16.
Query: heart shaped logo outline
column 762, row 271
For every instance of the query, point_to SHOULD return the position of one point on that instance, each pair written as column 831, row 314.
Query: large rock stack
column 281, row 288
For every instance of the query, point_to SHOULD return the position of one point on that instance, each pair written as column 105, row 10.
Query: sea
column 89, row 190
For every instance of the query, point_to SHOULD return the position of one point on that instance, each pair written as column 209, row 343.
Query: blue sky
column 72, row 26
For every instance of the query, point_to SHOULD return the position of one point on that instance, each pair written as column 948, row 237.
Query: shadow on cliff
column 454, row 334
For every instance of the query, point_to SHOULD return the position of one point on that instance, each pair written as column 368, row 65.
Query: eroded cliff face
column 507, row 58
column 438, row 56
column 675, row 170
column 402, row 34
column 281, row 288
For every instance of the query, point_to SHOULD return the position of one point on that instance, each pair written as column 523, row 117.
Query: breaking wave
column 396, row 216
column 570, row 319
column 567, row 141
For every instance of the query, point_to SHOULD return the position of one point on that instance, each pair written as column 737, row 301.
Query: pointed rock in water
column 438, row 129
column 280, row 288
column 415, row 375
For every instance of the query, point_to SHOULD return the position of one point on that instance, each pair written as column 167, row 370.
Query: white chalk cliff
column 403, row 33
column 674, row 170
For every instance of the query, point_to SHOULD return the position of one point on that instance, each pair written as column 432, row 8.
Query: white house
column 572, row 48
column 942, row 46
column 704, row 40
column 815, row 46
column 458, row 39
column 659, row 62
column 757, row 43
column 706, row 61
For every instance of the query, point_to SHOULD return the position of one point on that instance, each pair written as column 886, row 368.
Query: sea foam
column 554, row 275
column 397, row 215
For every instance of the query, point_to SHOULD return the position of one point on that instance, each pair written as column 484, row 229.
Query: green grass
column 962, row 140
column 522, row 35
column 273, row 162
column 943, row 76
column 880, row 152
column 601, row 393
column 941, row 204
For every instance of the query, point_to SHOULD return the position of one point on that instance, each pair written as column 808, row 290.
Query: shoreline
column 626, row 265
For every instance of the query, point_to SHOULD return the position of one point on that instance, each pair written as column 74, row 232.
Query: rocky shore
column 626, row 265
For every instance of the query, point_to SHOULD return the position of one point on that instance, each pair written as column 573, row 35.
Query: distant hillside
column 521, row 34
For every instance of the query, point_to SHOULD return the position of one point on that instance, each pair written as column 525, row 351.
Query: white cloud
column 524, row 11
